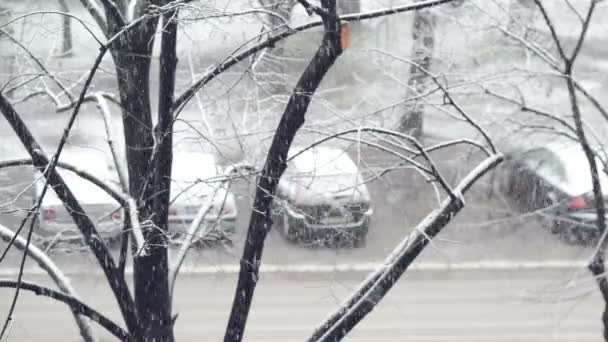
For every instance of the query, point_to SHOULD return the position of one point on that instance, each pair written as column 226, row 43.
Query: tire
column 291, row 233
column 555, row 227
column 569, row 233
column 360, row 241
column 584, row 236
column 361, row 236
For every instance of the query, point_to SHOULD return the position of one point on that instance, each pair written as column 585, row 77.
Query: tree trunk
column 132, row 56
column 66, row 28
column 423, row 36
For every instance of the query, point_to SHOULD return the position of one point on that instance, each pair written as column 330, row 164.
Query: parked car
column 321, row 197
column 196, row 180
column 55, row 221
column 557, row 179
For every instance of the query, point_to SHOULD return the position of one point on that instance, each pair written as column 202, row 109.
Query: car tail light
column 117, row 216
column 578, row 203
column 227, row 210
column 215, row 209
column 49, row 214
column 172, row 211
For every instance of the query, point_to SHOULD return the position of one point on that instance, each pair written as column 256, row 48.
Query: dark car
column 322, row 198
column 555, row 180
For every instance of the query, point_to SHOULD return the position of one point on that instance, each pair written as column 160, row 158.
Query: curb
column 341, row 268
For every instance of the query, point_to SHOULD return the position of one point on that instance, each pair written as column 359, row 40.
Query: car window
column 323, row 162
column 323, row 170
column 546, row 165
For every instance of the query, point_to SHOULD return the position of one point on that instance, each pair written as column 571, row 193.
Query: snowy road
column 424, row 306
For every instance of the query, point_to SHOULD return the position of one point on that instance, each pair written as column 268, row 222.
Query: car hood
column 326, row 190
column 196, row 193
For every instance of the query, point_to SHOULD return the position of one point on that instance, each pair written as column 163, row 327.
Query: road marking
column 350, row 267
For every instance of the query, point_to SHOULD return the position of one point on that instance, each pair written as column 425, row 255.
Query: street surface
column 424, row 306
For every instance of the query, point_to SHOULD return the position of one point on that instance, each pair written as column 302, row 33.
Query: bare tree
column 423, row 47
column 423, row 41
column 571, row 123
column 130, row 30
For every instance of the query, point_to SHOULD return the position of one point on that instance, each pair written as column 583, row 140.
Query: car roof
column 92, row 161
column 322, row 161
column 572, row 175
column 85, row 191
column 190, row 166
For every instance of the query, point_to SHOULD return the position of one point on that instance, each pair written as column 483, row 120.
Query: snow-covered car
column 197, row 182
column 556, row 179
column 54, row 219
column 322, row 198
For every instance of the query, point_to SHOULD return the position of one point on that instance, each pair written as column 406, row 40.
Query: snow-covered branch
column 232, row 60
column 62, row 282
column 365, row 298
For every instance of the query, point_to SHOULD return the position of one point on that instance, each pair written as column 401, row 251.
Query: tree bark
column 66, row 30
column 291, row 120
column 423, row 42
column 271, row 68
column 132, row 56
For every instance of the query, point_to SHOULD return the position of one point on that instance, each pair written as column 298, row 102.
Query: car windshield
column 327, row 183
column 324, row 170
column 323, row 162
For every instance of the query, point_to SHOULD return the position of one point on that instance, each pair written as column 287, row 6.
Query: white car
column 196, row 182
column 322, row 197
column 54, row 219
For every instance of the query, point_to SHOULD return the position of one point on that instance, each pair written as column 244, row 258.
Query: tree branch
column 121, row 169
column 74, row 304
column 64, row 90
column 372, row 290
column 91, row 236
column 62, row 282
column 121, row 198
column 292, row 119
column 97, row 14
column 548, row 22
column 230, row 61
column 114, row 18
